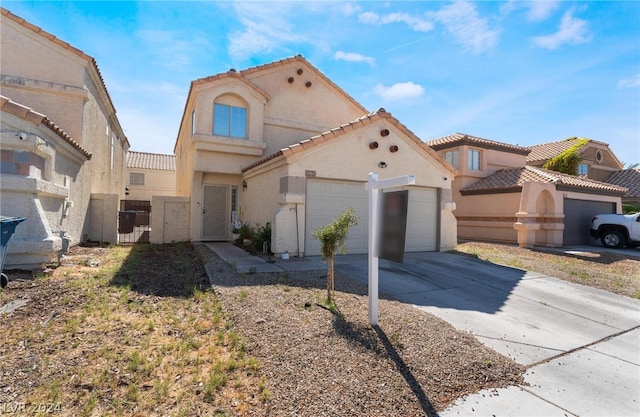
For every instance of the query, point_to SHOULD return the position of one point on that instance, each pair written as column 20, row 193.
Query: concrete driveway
column 582, row 345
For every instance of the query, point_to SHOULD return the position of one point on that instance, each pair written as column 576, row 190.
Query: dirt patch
column 123, row 331
column 608, row 271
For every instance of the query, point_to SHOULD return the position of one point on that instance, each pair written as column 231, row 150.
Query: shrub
column 262, row 236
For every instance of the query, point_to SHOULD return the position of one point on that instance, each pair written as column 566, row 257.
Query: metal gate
column 134, row 221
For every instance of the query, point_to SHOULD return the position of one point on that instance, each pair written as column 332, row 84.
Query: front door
column 214, row 216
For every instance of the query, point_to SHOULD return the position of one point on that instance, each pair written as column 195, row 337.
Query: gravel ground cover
column 322, row 363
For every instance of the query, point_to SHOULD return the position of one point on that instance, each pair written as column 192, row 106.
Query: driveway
column 581, row 345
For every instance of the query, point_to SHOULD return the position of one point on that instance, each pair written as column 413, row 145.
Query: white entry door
column 214, row 214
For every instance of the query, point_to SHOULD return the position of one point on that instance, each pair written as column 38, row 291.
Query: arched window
column 230, row 117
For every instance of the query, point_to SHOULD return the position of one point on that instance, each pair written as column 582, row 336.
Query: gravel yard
column 322, row 364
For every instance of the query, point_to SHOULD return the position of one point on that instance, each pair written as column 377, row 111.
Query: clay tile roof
column 145, row 160
column 339, row 131
column 62, row 44
column 507, row 180
column 458, row 139
column 549, row 150
column 628, row 178
column 36, row 118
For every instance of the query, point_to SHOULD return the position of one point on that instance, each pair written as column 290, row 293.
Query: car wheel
column 612, row 239
column 4, row 280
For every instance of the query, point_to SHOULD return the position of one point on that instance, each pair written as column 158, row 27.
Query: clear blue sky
column 516, row 71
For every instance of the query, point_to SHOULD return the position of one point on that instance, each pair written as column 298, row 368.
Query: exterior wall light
column 244, row 185
column 382, row 164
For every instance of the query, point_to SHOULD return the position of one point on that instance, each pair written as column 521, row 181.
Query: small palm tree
column 332, row 238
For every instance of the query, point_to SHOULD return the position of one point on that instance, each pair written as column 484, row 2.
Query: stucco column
column 287, row 228
column 526, row 227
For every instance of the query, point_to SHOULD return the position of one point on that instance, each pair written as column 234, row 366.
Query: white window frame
column 228, row 129
column 473, row 160
column 452, row 157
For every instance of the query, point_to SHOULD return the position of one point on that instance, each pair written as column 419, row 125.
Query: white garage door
column 328, row 199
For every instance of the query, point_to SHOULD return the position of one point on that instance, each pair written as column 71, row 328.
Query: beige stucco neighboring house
column 42, row 174
column 52, row 78
column 148, row 174
column 282, row 144
column 597, row 161
column 499, row 197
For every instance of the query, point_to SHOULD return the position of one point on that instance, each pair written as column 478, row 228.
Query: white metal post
column 373, row 186
column 373, row 254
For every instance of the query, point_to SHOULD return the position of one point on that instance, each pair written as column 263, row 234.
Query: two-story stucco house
column 499, row 197
column 62, row 85
column 282, row 144
column 597, row 161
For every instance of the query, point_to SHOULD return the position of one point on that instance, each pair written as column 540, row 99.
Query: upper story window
column 583, row 169
column 452, row 157
column 229, row 121
column 473, row 160
column 24, row 163
column 136, row 178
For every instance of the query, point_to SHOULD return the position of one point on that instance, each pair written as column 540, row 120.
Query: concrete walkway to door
column 582, row 345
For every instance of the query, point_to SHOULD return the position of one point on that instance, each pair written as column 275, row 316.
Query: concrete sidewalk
column 247, row 263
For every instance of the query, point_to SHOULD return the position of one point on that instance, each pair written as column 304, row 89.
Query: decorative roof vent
column 308, row 84
column 232, row 70
column 300, row 71
column 373, row 145
column 599, row 156
column 290, row 80
column 384, row 132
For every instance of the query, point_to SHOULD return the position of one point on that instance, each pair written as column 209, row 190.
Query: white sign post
column 373, row 186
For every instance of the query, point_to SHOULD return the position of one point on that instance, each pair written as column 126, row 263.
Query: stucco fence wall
column 170, row 221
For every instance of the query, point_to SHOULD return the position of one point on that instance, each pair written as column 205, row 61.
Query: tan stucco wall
column 487, row 217
column 66, row 88
column 170, row 221
column 156, row 183
column 346, row 158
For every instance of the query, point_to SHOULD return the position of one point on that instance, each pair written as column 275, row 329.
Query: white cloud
column 540, row 10
column 349, row 9
column 399, row 91
column 415, row 23
column 169, row 49
column 572, row 31
column 629, row 82
column 353, row 57
column 265, row 29
column 537, row 10
column 463, row 22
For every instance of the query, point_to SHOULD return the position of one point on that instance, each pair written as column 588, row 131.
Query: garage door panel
column 577, row 219
column 328, row 199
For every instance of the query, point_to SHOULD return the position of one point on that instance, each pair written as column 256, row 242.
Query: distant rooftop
column 457, row 139
column 628, row 178
column 145, row 160
column 507, row 180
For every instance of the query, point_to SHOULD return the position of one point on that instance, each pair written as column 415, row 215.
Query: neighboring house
column 500, row 198
column 630, row 179
column 47, row 75
column 149, row 174
column 40, row 168
column 282, row 144
column 597, row 161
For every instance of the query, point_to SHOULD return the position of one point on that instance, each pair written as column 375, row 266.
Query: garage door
column 328, row 199
column 577, row 219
